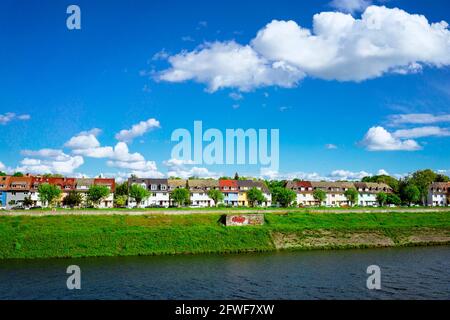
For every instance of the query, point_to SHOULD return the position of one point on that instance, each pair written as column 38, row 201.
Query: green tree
column 180, row 196
column 394, row 199
column 138, row 193
column 255, row 196
column 97, row 193
column 272, row 184
column 73, row 199
column 283, row 196
column 441, row 178
column 412, row 194
column 319, row 195
column 18, row 174
column 236, row 176
column 120, row 201
column 27, row 202
column 121, row 189
column 382, row 198
column 48, row 193
column 422, row 179
column 2, row 174
column 351, row 195
column 216, row 195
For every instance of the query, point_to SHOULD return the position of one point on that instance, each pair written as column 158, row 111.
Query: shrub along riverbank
column 115, row 235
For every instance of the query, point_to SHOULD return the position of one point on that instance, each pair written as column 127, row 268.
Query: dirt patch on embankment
column 319, row 239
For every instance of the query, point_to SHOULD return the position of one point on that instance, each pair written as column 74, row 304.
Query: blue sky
column 336, row 120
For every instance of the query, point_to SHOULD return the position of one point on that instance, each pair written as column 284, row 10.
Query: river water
column 406, row 273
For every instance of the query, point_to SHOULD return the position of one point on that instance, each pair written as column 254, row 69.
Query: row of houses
column 234, row 191
column 14, row 190
column 335, row 192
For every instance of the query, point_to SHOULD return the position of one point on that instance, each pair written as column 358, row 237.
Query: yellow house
column 242, row 198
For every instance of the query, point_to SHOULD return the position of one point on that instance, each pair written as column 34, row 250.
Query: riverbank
column 60, row 236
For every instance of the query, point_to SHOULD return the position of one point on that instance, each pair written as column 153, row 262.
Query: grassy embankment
column 82, row 236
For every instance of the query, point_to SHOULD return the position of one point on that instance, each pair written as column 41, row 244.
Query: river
column 406, row 273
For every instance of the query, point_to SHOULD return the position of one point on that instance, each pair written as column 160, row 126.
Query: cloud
column 137, row 130
column 284, row 108
column 330, row 146
column 267, row 173
column 422, row 132
column 335, row 175
column 417, row 118
column 66, row 166
column 350, row 6
column 382, row 172
column 338, row 47
column 229, row 65
column 202, row 24
column 180, row 168
column 84, row 140
column 236, row 96
column 161, row 55
column 86, row 144
column 24, row 117
column 54, row 154
column 348, row 175
column 379, row 139
column 187, row 39
column 172, row 163
column 199, row 172
column 2, row 166
column 10, row 116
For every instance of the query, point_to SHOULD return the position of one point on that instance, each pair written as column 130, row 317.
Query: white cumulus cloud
column 338, row 47
column 41, row 166
column 229, row 64
column 137, row 130
column 379, row 139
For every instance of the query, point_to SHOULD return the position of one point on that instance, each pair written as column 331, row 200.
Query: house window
column 163, row 187
column 153, row 187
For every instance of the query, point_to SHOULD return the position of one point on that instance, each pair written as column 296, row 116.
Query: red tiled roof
column 106, row 182
column 63, row 183
column 26, row 181
column 304, row 184
column 228, row 183
column 4, row 181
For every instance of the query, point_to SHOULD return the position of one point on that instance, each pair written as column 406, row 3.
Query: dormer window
column 163, row 187
column 153, row 187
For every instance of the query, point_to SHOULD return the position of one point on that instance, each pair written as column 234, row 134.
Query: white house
column 438, row 194
column 159, row 192
column 199, row 188
column 335, row 192
column 368, row 191
column 304, row 191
